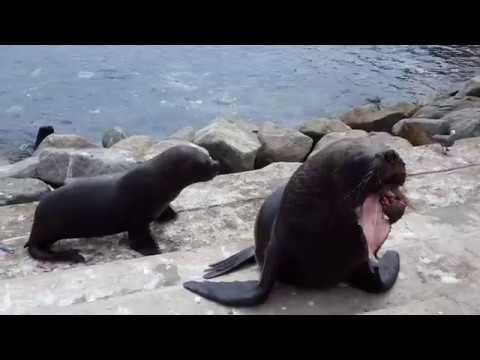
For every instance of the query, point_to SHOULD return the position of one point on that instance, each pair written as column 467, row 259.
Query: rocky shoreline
column 242, row 145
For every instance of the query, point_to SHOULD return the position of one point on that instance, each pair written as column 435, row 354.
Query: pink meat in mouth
column 373, row 217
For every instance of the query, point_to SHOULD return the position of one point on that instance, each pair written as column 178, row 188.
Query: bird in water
column 446, row 141
column 376, row 101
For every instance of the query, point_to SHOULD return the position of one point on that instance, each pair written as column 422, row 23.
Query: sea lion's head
column 370, row 175
column 189, row 164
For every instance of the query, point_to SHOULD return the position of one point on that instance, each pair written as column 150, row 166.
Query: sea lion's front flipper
column 377, row 277
column 241, row 293
column 142, row 241
column 167, row 215
column 244, row 257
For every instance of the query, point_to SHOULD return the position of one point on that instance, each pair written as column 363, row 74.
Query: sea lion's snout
column 393, row 168
column 210, row 169
column 391, row 156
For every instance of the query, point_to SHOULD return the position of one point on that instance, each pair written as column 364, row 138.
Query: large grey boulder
column 471, row 88
column 113, row 136
column 335, row 136
column 281, row 145
column 465, row 122
column 374, row 118
column 317, row 128
column 26, row 168
column 419, row 131
column 185, row 134
column 164, row 145
column 239, row 121
column 17, row 191
column 57, row 165
column 65, row 141
column 444, row 105
column 136, row 144
column 232, row 145
column 394, row 142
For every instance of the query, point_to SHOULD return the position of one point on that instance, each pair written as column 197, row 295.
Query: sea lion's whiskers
column 362, row 183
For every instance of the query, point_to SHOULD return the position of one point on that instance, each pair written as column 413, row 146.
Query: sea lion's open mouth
column 377, row 213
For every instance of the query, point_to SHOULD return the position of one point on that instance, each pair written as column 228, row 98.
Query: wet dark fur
column 111, row 204
column 307, row 232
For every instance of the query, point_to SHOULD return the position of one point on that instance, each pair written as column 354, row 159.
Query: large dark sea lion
column 111, row 204
column 325, row 226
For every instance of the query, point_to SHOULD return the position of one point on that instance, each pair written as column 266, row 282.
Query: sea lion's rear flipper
column 241, row 293
column 244, row 257
column 377, row 278
column 237, row 293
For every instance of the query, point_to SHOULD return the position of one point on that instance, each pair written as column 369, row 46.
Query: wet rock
column 185, row 134
column 26, row 168
column 335, row 136
column 465, row 122
column 57, row 165
column 63, row 141
column 471, row 88
column 17, row 191
column 21, row 153
column 237, row 120
column 317, row 128
column 442, row 106
column 394, row 142
column 113, row 136
column 281, row 145
column 229, row 143
column 137, row 144
column 164, row 145
column 372, row 117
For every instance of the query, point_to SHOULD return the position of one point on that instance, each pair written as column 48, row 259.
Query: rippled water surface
column 159, row 89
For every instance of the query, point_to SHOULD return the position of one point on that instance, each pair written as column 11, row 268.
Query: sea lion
column 324, row 227
column 42, row 133
column 111, row 204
